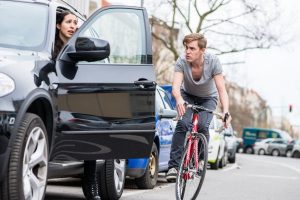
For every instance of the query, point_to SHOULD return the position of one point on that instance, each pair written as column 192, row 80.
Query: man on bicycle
column 197, row 80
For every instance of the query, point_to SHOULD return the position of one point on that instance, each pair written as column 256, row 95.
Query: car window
column 126, row 44
column 166, row 100
column 262, row 134
column 158, row 102
column 24, row 26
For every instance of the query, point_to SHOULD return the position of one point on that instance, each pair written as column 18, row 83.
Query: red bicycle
column 193, row 163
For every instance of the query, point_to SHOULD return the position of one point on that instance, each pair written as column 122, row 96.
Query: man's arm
column 220, row 84
column 177, row 81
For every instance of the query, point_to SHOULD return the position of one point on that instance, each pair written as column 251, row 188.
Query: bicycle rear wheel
column 190, row 179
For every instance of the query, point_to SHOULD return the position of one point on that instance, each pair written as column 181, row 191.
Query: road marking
column 268, row 176
column 284, row 165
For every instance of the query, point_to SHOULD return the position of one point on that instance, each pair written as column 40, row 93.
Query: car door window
column 262, row 134
column 158, row 102
column 166, row 101
column 126, row 44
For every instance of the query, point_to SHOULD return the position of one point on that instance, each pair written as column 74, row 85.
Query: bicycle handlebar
column 201, row 108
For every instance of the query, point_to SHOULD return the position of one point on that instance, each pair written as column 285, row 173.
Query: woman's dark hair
column 60, row 15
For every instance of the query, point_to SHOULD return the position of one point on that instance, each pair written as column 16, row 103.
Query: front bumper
column 7, row 121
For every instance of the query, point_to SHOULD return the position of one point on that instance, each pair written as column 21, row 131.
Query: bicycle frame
column 192, row 142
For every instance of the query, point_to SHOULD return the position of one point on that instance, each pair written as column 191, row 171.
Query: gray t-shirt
column 206, row 86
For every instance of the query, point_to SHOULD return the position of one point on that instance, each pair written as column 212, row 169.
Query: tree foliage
column 231, row 26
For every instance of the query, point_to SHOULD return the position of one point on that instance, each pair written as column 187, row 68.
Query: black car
column 95, row 101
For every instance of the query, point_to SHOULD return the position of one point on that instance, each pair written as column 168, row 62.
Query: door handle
column 144, row 83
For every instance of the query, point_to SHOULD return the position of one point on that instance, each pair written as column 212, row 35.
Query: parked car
column 260, row 146
column 145, row 171
column 252, row 134
column 217, row 146
column 290, row 147
column 277, row 147
column 77, row 107
column 296, row 150
column 232, row 143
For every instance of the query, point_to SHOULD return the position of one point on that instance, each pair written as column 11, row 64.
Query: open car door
column 106, row 88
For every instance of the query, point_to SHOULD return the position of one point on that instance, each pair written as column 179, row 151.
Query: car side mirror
column 166, row 113
column 90, row 49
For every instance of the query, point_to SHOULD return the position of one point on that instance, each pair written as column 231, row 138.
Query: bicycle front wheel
column 190, row 179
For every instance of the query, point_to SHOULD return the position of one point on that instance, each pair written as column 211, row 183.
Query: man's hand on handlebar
column 226, row 119
column 180, row 105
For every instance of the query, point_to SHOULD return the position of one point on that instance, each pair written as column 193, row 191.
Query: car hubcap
column 119, row 174
column 152, row 165
column 35, row 165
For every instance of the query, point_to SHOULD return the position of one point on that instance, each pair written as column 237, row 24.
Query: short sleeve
column 217, row 67
column 179, row 65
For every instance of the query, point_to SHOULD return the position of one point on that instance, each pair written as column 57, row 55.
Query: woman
column 66, row 25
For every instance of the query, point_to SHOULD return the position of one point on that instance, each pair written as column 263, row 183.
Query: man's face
column 192, row 51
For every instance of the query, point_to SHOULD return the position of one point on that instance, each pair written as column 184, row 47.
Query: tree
column 231, row 26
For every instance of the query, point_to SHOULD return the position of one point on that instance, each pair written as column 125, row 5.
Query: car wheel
column 275, row 152
column 249, row 150
column 216, row 164
column 224, row 159
column 261, row 152
column 149, row 179
column 289, row 153
column 233, row 158
column 296, row 154
column 112, row 179
column 28, row 164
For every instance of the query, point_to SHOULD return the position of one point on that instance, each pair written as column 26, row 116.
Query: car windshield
column 23, row 25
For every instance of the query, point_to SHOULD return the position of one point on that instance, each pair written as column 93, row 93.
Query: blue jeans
column 185, row 124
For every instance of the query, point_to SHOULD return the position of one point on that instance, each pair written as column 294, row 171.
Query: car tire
column 28, row 164
column 275, row 152
column 289, row 153
column 112, row 179
column 216, row 164
column 232, row 159
column 149, row 178
column 296, row 154
column 261, row 152
column 249, row 150
column 224, row 159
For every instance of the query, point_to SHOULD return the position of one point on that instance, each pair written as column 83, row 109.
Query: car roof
column 58, row 2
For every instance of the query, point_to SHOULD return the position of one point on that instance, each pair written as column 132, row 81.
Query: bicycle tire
column 181, row 184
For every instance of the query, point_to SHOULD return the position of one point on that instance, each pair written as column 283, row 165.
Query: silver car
column 277, row 147
column 260, row 147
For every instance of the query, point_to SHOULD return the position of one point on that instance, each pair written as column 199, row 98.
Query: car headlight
column 7, row 85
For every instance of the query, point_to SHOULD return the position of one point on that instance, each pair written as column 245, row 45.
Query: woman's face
column 67, row 27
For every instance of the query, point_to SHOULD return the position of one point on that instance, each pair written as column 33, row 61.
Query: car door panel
column 107, row 107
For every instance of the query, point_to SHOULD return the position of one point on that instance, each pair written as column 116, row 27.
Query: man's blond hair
column 195, row 37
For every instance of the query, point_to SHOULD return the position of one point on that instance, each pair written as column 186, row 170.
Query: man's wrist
column 227, row 113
